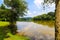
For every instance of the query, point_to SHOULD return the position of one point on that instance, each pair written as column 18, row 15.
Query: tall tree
column 57, row 17
column 17, row 9
column 57, row 20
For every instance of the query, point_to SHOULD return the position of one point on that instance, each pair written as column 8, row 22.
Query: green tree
column 51, row 14
column 2, row 6
column 17, row 9
column 2, row 12
column 48, row 16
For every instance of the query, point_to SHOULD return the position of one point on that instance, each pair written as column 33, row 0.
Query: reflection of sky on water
column 22, row 25
column 33, row 26
column 36, row 30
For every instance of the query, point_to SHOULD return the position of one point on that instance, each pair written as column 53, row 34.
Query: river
column 36, row 31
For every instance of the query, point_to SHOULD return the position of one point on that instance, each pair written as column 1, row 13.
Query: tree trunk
column 13, row 27
column 57, row 24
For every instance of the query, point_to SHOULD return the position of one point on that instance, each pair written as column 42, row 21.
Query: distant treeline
column 48, row 16
column 25, row 19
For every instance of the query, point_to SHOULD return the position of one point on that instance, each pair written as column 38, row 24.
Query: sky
column 35, row 8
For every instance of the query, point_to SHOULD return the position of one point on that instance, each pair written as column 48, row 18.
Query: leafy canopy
column 17, row 8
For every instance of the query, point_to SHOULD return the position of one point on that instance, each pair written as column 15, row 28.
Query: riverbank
column 30, row 31
column 3, row 34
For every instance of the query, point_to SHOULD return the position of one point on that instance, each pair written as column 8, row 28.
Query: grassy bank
column 4, row 23
column 16, row 37
column 3, row 27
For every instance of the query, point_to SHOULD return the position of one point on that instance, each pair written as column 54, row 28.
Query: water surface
column 36, row 31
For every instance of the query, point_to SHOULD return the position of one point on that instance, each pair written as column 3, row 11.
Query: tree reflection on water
column 48, row 23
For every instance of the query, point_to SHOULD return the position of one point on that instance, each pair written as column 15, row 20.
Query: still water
column 37, row 30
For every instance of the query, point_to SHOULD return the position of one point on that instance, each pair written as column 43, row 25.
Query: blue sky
column 1, row 1
column 36, row 8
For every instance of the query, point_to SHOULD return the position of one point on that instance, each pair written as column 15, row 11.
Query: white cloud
column 48, row 8
column 34, row 12
column 39, row 8
column 29, row 12
column 38, row 3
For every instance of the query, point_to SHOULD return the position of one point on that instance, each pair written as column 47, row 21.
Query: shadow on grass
column 3, row 32
column 9, row 33
column 6, row 29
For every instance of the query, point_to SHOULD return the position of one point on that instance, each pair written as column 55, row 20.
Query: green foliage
column 2, row 6
column 3, row 29
column 4, row 14
column 18, row 8
column 14, row 10
column 16, row 37
column 49, row 16
column 25, row 19
column 6, row 35
column 2, row 33
column 11, row 10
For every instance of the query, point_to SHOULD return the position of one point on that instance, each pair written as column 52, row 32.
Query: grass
column 3, row 23
column 11, row 37
column 16, row 37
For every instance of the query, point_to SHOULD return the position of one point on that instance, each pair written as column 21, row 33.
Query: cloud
column 48, row 7
column 36, row 8
column 29, row 12
column 38, row 3
column 34, row 13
